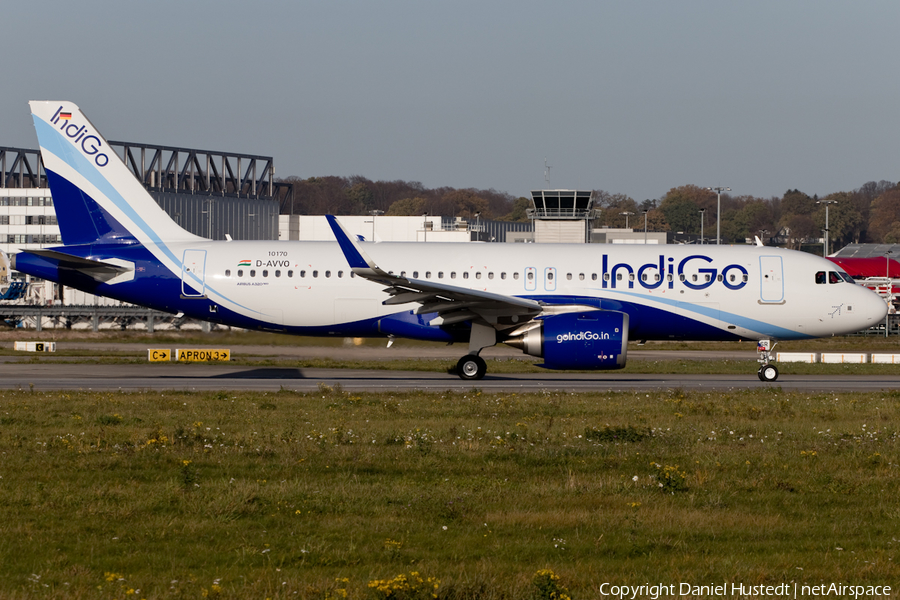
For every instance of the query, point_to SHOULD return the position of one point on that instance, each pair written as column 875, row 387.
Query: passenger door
column 193, row 274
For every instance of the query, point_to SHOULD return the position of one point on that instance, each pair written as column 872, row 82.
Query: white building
column 27, row 219
column 381, row 228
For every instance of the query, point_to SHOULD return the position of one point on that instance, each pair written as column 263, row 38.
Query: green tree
column 884, row 219
column 611, row 208
column 754, row 218
column 519, row 212
column 407, row 207
column 844, row 218
column 797, row 210
column 463, row 203
column 681, row 208
column 360, row 198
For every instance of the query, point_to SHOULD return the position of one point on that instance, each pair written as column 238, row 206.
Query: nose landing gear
column 767, row 371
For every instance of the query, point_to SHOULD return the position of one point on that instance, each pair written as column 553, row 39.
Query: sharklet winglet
column 356, row 257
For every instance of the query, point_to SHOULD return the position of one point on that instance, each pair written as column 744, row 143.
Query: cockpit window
column 834, row 277
column 820, row 277
column 846, row 277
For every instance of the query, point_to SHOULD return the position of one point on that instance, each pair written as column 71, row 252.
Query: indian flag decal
column 244, row 263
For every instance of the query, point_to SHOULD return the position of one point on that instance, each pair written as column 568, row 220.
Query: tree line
column 870, row 213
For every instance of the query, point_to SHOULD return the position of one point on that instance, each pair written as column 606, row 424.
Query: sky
column 628, row 96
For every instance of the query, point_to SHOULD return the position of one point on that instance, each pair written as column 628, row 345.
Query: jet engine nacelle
column 596, row 339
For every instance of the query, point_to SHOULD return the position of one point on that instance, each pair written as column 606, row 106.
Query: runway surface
column 200, row 377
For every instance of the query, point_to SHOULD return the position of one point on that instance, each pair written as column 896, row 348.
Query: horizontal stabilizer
column 95, row 269
column 70, row 261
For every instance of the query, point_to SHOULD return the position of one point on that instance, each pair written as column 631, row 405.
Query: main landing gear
column 471, row 367
column 767, row 371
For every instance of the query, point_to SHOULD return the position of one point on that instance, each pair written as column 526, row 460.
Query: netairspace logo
column 583, row 336
column 741, row 590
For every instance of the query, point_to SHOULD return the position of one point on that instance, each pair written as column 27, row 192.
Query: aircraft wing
column 453, row 304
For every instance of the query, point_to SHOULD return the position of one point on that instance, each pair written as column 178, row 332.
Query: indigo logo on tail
column 90, row 144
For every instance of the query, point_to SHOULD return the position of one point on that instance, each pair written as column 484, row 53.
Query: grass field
column 332, row 495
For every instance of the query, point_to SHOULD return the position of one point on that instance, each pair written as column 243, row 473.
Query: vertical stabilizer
column 96, row 197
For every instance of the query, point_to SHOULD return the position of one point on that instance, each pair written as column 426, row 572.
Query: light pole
column 718, row 191
column 826, row 203
column 425, row 227
column 374, row 214
column 478, row 227
column 627, row 214
column 645, row 226
column 890, row 290
column 702, row 222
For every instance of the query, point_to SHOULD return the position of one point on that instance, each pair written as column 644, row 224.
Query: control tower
column 562, row 216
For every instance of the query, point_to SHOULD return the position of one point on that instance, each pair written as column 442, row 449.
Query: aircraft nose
column 875, row 308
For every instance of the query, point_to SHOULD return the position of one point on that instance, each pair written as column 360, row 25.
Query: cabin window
column 618, row 277
column 550, row 275
column 631, row 277
column 569, row 276
column 745, row 278
column 606, row 276
column 415, row 274
column 327, row 273
column 240, row 272
column 656, row 277
column 402, row 273
column 352, row 274
column 465, row 274
column 427, row 274
column 594, row 276
column 277, row 273
column 252, row 273
column 227, row 272
column 452, row 274
column 340, row 274
column 669, row 277
column 719, row 277
column 681, row 277
column 732, row 277
column 440, row 274
column 303, row 273
column 530, row 276
column 477, row 274
column 503, row 275
column 694, row 277
column 265, row 272
column 490, row 275
column 315, row 273
column 708, row 277
column 516, row 275
column 581, row 276
column 643, row 277
column 290, row 273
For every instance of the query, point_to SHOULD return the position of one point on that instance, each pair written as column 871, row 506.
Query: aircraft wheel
column 471, row 367
column 768, row 373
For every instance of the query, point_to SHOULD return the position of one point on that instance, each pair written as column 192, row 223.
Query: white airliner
column 575, row 305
